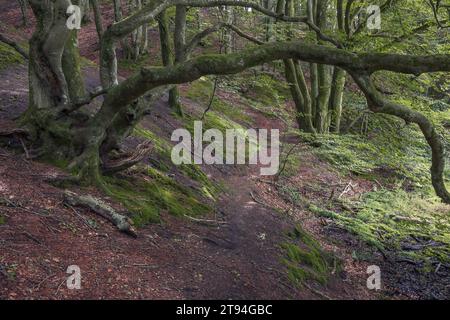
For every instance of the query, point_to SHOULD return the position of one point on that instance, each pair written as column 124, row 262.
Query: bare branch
column 14, row 45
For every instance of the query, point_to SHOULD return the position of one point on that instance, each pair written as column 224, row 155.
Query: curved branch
column 360, row 66
column 14, row 45
column 378, row 104
column 201, row 35
column 127, row 160
column 84, row 101
column 150, row 78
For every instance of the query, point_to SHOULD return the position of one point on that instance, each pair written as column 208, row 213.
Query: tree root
column 14, row 132
column 123, row 223
column 127, row 160
column 63, row 181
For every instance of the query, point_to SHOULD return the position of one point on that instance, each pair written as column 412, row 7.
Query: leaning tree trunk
column 55, row 81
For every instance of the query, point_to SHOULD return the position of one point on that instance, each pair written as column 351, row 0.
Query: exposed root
column 63, row 181
column 127, row 160
column 14, row 132
column 123, row 223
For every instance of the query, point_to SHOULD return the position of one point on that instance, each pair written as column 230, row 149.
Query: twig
column 260, row 202
column 59, row 287
column 346, row 189
column 17, row 206
column 319, row 293
column 31, row 237
column 41, row 282
column 205, row 221
column 80, row 216
column 286, row 160
column 27, row 154
column 211, row 100
column 148, row 266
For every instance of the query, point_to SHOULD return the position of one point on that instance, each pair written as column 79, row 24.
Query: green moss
column 164, row 163
column 142, row 61
column 201, row 90
column 2, row 220
column 267, row 90
column 9, row 56
column 397, row 157
column 147, row 196
column 305, row 259
column 398, row 221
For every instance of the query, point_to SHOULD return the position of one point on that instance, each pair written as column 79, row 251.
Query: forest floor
column 239, row 256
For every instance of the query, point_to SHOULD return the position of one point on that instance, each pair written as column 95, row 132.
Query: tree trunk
column 336, row 95
column 23, row 8
column 180, row 54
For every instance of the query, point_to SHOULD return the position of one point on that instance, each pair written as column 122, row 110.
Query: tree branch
column 203, row 34
column 14, row 45
column 360, row 66
column 378, row 104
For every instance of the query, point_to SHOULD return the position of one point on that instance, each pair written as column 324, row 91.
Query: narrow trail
column 177, row 259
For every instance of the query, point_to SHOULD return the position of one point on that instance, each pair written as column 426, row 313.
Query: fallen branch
column 123, row 223
column 260, row 202
column 319, row 293
column 203, row 221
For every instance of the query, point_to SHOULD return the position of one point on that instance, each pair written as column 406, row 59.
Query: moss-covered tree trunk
column 55, row 82
column 339, row 78
column 296, row 80
column 336, row 96
column 323, row 75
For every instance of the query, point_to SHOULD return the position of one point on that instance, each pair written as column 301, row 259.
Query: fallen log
column 123, row 223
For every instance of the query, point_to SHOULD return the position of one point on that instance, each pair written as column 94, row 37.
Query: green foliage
column 9, row 56
column 305, row 259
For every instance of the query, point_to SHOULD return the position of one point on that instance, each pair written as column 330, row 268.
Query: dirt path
column 178, row 259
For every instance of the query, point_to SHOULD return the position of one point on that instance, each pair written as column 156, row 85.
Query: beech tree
column 56, row 126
